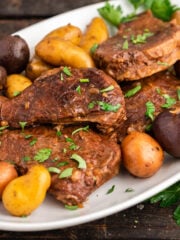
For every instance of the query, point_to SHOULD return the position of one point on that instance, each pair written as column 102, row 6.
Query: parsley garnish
column 111, row 189
column 125, row 45
column 141, row 38
column 133, row 91
column 66, row 173
column 93, row 48
column 62, row 164
column 178, row 93
column 108, row 107
column 67, row 71
column 33, row 142
column 84, row 80
column 54, row 170
column 150, row 110
column 16, row 93
column 81, row 129
column 58, row 133
column 43, row 154
column 129, row 190
column 73, row 207
column 22, row 125
column 3, row 128
column 110, row 88
column 169, row 101
column 80, row 160
column 169, row 197
column 162, row 63
column 78, row 89
column 26, row 158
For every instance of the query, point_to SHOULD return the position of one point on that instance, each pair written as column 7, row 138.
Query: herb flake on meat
column 110, row 88
column 43, row 154
column 80, row 160
column 66, row 173
column 86, row 128
column 133, row 91
column 150, row 110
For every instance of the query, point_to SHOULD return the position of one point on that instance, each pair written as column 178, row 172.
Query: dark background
column 151, row 222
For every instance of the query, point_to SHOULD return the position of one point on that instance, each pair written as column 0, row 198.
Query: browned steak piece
column 64, row 97
column 155, row 94
column 101, row 158
column 141, row 48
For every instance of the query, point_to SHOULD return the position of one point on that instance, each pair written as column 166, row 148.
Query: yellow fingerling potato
column 68, row 32
column 36, row 67
column 96, row 33
column 15, row 84
column 57, row 51
column 25, row 193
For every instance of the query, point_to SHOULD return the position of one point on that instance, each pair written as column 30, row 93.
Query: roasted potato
column 166, row 129
column 15, row 84
column 69, row 32
column 57, row 51
column 36, row 67
column 96, row 33
column 142, row 155
column 14, row 54
column 7, row 174
column 25, row 193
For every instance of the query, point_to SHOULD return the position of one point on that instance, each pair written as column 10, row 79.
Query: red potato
column 142, row 155
column 7, row 174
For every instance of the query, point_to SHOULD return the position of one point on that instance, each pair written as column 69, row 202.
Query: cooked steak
column 68, row 95
column 141, row 48
column 100, row 158
column 146, row 98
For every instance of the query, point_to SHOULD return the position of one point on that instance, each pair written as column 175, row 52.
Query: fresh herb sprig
column 169, row 197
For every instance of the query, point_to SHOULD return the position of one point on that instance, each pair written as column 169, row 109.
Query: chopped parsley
column 93, row 48
column 27, row 136
column 73, row 207
column 80, row 160
column 43, row 154
column 81, row 129
column 78, row 89
column 26, row 158
column 169, row 101
column 66, row 173
column 150, row 110
column 162, row 63
column 105, row 106
column 125, row 45
column 58, row 133
column 129, row 190
column 67, row 71
column 3, row 128
column 110, row 88
column 84, row 80
column 141, row 38
column 61, row 164
column 54, row 170
column 33, row 142
column 178, row 93
column 16, row 93
column 133, row 91
column 22, row 125
column 111, row 189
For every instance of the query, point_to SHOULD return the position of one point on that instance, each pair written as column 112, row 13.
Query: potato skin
column 36, row 67
column 142, row 155
column 57, row 51
column 7, row 174
column 14, row 54
column 69, row 33
column 96, row 32
column 16, row 83
column 25, row 193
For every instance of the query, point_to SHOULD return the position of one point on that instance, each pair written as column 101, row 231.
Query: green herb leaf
column 91, row 105
column 176, row 215
column 110, row 88
column 78, row 89
column 73, row 207
column 111, row 13
column 27, row 136
column 26, row 158
column 80, row 160
column 66, row 173
column 54, row 170
column 22, row 125
column 111, row 189
column 43, row 154
column 150, row 110
column 84, row 80
column 141, row 38
column 133, row 91
column 3, row 128
column 169, row 101
column 125, row 45
column 61, row 164
column 162, row 63
column 58, row 133
column 34, row 141
column 178, row 93
column 136, row 3
column 93, row 48
column 109, row 107
column 67, row 71
column 16, row 93
column 81, row 129
column 129, row 190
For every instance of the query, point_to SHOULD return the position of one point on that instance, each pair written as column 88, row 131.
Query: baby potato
column 57, row 51
column 15, row 84
column 68, row 32
column 96, row 32
column 142, row 155
column 25, row 193
column 36, row 67
column 7, row 174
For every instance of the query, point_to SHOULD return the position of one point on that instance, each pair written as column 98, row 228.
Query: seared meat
column 60, row 97
column 159, row 90
column 101, row 156
column 141, row 48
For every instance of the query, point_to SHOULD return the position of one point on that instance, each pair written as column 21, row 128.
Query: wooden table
column 151, row 222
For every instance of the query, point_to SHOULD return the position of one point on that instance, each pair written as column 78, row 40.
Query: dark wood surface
column 151, row 222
